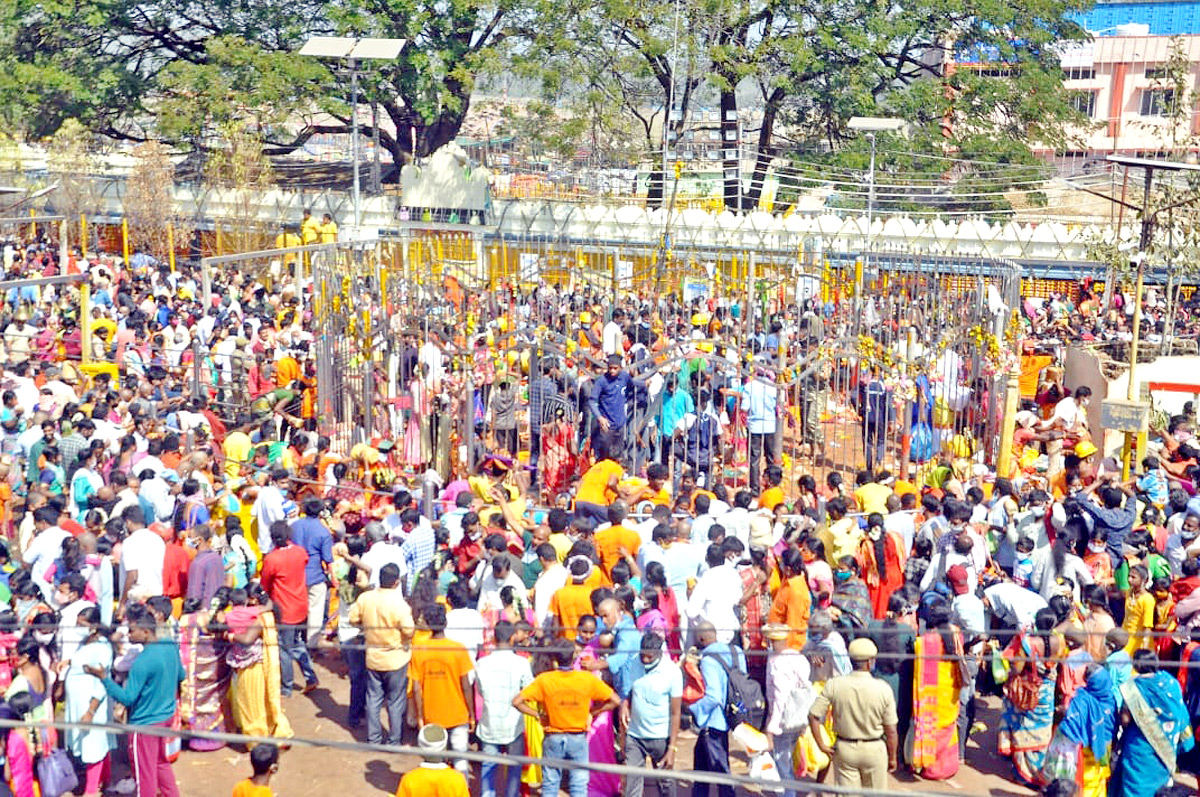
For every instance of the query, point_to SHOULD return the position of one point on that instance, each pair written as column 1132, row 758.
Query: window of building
column 1079, row 73
column 1157, row 102
column 1084, row 102
column 1156, row 72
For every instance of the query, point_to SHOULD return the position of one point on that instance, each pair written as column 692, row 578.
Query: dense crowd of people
column 619, row 560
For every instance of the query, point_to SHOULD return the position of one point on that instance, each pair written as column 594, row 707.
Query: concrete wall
column 1082, row 368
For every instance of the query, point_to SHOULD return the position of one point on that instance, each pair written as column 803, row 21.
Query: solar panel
column 328, row 47
column 377, row 49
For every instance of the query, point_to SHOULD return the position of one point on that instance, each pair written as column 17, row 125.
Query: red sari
column 559, row 462
column 880, row 588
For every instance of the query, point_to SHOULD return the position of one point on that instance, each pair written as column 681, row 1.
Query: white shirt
column 41, row 553
column 1068, row 411
column 268, row 508
column 489, row 589
column 551, row 580
column 716, row 595
column 789, row 691
column 380, row 554
column 1014, row 604
column 144, row 551
column 158, row 493
column 736, row 523
column 904, row 524
column 610, row 339
column 70, row 634
column 465, row 626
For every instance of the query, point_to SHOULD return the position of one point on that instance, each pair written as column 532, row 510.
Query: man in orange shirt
column 793, row 601
column 566, row 700
column 434, row 778
column 611, row 540
column 441, row 671
column 573, row 599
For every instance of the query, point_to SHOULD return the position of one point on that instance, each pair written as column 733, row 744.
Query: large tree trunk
column 766, row 150
column 730, row 144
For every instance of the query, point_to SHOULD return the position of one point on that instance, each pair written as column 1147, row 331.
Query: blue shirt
column 149, row 691
column 609, row 396
column 627, row 648
column 311, row 535
column 1117, row 522
column 761, row 398
column 650, row 697
column 674, row 407
column 709, row 711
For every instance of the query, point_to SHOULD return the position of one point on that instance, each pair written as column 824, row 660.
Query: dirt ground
column 321, row 715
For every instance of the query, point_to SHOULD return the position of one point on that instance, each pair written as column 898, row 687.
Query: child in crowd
column 264, row 759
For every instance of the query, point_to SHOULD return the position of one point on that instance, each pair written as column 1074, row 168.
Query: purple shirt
column 205, row 576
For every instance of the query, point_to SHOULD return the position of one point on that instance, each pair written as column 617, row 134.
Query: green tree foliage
column 140, row 69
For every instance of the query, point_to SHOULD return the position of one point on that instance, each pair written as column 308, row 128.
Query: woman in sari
column 202, row 696
column 253, row 655
column 1079, row 751
column 1025, row 733
column 850, row 605
column 938, row 676
column 881, row 560
column 559, row 461
column 1156, row 729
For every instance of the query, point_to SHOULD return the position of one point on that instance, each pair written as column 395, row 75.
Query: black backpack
column 744, row 700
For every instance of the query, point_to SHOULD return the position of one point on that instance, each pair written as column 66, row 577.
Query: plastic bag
column 763, row 769
column 750, row 739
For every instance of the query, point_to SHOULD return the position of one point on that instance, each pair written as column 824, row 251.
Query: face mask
column 875, row 533
column 192, row 542
column 1024, row 561
column 1097, row 547
column 1128, row 550
column 842, row 575
column 1181, row 437
column 43, row 638
column 1039, row 511
column 59, row 600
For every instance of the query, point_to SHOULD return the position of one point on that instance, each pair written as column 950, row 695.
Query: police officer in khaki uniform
column 864, row 719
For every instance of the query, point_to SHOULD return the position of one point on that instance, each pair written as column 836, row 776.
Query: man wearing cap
column 434, row 777
column 864, row 721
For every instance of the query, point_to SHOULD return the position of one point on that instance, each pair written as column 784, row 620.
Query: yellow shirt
column 433, row 780
column 387, row 621
column 310, row 230
column 283, row 241
column 236, row 447
column 1139, row 621
column 593, row 485
column 329, row 233
column 842, row 539
column 873, row 497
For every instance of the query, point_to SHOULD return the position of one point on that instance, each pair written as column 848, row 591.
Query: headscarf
column 1091, row 715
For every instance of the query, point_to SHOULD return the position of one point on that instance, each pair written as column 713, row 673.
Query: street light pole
column 354, row 139
column 352, row 50
column 1149, row 166
column 870, row 226
column 871, row 125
